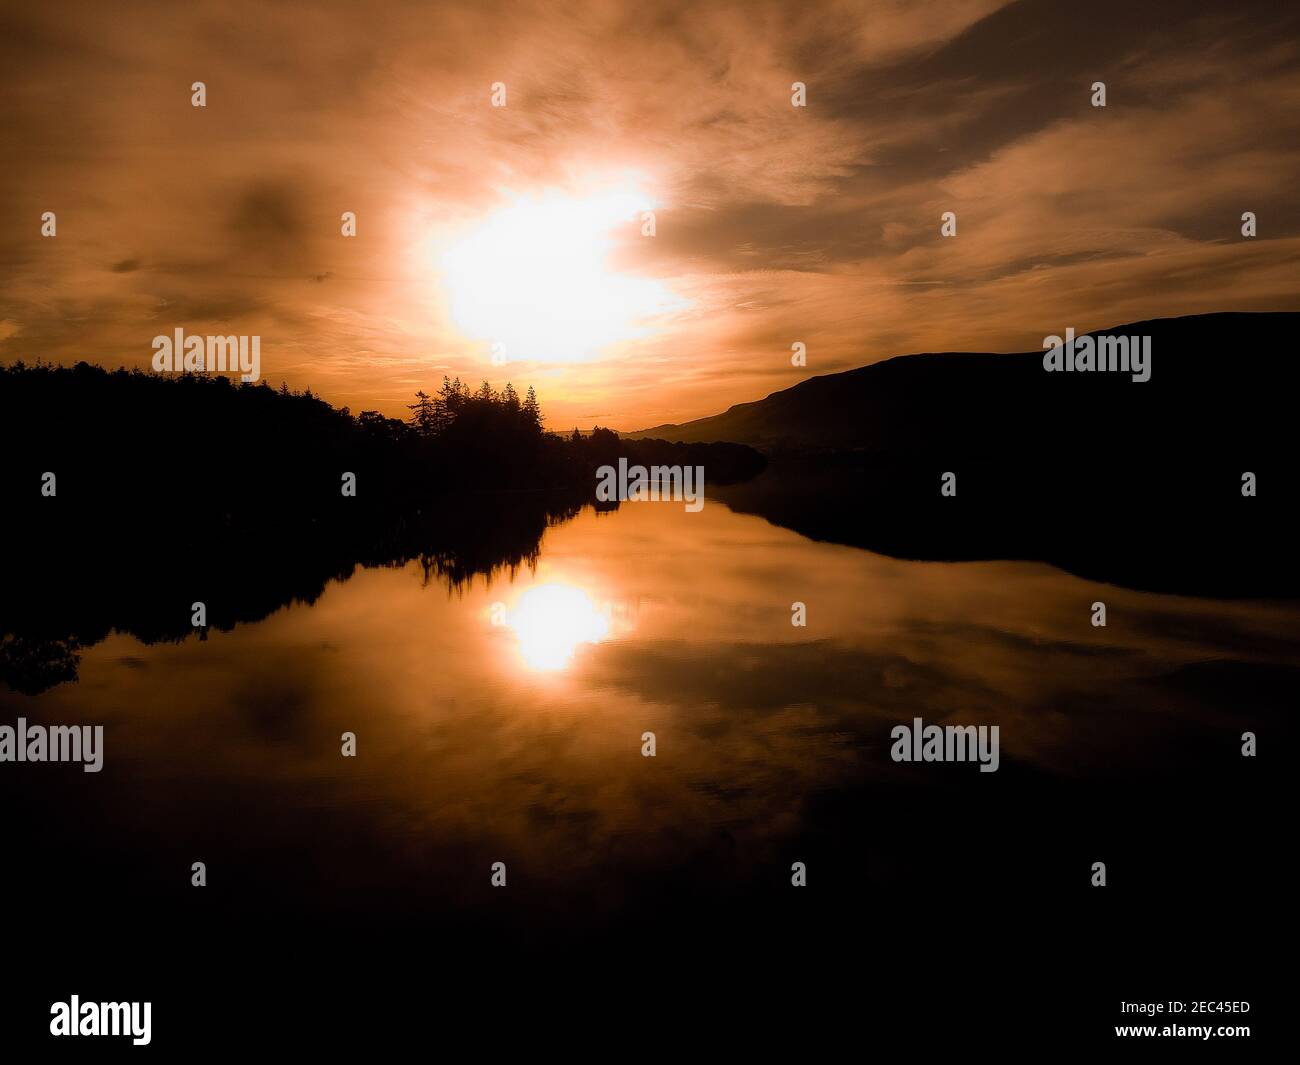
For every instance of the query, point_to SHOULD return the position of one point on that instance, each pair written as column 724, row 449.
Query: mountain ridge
column 859, row 409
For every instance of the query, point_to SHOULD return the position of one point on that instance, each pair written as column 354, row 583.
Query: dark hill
column 1219, row 382
column 1137, row 483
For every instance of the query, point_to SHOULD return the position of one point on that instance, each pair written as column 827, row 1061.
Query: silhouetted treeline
column 202, row 443
column 171, row 490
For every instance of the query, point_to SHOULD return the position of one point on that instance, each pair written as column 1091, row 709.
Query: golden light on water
column 550, row 621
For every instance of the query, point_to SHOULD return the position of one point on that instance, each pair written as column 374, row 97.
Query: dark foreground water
column 502, row 720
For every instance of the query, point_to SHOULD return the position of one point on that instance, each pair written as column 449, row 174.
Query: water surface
column 502, row 719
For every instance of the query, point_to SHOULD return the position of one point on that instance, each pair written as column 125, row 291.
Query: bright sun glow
column 534, row 277
column 551, row 620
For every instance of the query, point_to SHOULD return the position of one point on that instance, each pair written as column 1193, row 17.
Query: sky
column 520, row 231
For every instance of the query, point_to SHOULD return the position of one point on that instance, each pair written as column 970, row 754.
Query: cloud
column 775, row 223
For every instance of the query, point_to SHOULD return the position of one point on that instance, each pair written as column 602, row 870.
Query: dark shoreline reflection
column 66, row 591
column 1180, row 528
column 772, row 740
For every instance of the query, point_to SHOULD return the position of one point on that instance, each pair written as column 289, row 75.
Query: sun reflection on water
column 551, row 620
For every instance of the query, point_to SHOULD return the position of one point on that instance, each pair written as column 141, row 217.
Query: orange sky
column 773, row 224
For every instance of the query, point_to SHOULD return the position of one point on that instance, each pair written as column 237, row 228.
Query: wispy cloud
column 776, row 224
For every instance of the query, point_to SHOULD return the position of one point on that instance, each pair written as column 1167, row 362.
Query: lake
column 501, row 718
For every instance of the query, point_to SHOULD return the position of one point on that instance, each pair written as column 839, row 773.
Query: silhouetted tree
column 424, row 415
column 531, row 408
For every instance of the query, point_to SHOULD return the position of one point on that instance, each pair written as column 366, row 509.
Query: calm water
column 520, row 741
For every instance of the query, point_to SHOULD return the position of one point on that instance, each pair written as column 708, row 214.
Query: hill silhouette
column 1219, row 383
column 1133, row 482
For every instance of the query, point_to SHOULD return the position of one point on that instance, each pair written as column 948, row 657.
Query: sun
column 534, row 279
